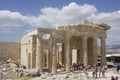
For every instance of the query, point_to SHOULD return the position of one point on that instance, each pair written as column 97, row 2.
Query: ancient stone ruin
column 45, row 48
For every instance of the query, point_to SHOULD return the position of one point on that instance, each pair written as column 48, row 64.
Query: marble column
column 68, row 55
column 50, row 55
column 39, row 53
column 57, row 55
column 54, row 59
column 103, row 52
column 63, row 55
column 48, row 60
column 84, row 50
column 94, row 51
column 34, row 52
column 60, row 57
column 81, row 53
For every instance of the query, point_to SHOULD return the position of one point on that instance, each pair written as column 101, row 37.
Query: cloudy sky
column 19, row 16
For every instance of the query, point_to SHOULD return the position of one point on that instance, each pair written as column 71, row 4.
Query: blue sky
column 19, row 16
column 34, row 6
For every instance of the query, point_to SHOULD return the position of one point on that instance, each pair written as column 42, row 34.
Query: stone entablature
column 84, row 30
column 37, row 52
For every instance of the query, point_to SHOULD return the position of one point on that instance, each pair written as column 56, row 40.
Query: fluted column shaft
column 81, row 53
column 60, row 58
column 54, row 59
column 94, row 51
column 103, row 52
column 39, row 53
column 50, row 56
column 68, row 55
column 84, row 50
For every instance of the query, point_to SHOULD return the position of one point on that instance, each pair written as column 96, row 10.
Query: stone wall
column 10, row 50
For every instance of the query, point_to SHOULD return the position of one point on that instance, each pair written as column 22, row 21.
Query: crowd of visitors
column 77, row 66
column 97, row 70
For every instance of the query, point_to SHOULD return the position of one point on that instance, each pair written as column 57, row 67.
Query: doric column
column 39, row 53
column 50, row 55
column 54, row 59
column 84, row 50
column 60, row 58
column 63, row 55
column 94, row 51
column 81, row 53
column 68, row 55
column 33, row 52
column 103, row 52
column 57, row 55
column 48, row 59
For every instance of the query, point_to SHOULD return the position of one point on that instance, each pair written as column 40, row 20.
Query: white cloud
column 11, row 19
column 69, row 14
column 112, row 19
column 73, row 13
column 50, row 17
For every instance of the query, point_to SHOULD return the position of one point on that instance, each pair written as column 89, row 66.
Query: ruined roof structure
column 78, row 45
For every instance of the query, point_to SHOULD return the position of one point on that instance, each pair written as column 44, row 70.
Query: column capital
column 39, row 36
column 53, row 41
column 33, row 35
column 102, row 38
column 95, row 37
column 68, row 36
column 84, row 37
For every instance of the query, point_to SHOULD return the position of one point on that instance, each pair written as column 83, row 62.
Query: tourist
column 86, row 71
column 74, row 65
column 103, row 71
column 118, row 67
column 100, row 70
column 77, row 66
column 88, row 67
column 106, row 67
column 95, row 70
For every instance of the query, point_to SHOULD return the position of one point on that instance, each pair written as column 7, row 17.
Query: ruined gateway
column 39, row 48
